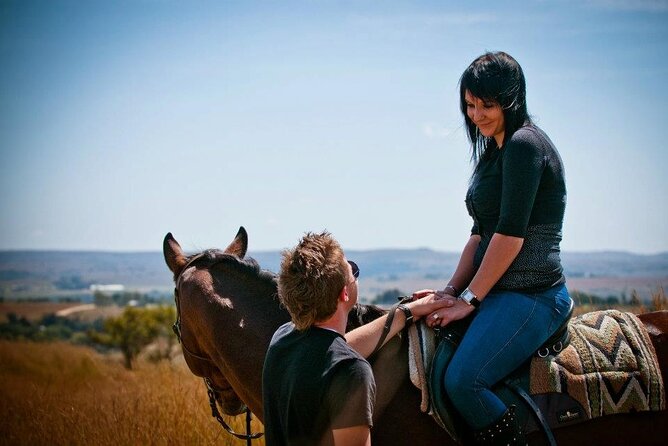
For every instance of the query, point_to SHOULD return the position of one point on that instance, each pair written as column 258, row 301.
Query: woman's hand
column 423, row 293
column 429, row 303
column 442, row 317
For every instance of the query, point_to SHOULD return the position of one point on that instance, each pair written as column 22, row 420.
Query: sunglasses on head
column 356, row 269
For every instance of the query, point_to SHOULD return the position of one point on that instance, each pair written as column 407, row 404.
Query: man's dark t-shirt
column 313, row 382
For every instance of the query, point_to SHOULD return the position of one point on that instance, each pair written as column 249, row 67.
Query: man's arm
column 364, row 339
column 353, row 436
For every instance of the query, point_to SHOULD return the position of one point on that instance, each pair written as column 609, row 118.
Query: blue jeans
column 508, row 329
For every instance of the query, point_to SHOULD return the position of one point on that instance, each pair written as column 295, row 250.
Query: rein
column 388, row 322
column 210, row 388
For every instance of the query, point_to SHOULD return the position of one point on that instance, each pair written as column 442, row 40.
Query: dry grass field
column 57, row 393
column 61, row 394
column 34, row 311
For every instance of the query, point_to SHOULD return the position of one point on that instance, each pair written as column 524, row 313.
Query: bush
column 135, row 329
column 388, row 297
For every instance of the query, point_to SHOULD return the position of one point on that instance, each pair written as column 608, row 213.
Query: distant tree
column 130, row 332
column 102, row 299
column 164, row 317
column 612, row 301
column 71, row 283
column 581, row 298
column 387, row 297
column 16, row 327
column 49, row 328
column 134, row 329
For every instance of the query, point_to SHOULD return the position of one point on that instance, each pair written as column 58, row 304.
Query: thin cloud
column 632, row 5
column 622, row 5
column 421, row 20
column 436, row 131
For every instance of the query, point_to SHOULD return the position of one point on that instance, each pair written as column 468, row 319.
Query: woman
column 509, row 273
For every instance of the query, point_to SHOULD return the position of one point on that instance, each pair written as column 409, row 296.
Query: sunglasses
column 356, row 269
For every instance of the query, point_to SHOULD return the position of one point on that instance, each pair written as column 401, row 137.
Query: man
column 317, row 388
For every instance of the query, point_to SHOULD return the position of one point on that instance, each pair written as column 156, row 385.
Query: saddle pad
column 421, row 347
column 609, row 367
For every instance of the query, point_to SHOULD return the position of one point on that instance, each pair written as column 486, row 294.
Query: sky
column 121, row 121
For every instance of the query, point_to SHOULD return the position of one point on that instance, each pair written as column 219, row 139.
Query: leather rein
column 211, row 390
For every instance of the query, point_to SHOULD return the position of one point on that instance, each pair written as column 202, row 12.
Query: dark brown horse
column 229, row 311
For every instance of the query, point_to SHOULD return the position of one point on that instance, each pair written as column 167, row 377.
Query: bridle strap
column 177, row 324
column 210, row 389
column 386, row 328
column 177, row 330
column 388, row 322
column 216, row 414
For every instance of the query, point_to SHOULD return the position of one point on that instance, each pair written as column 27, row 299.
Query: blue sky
column 123, row 120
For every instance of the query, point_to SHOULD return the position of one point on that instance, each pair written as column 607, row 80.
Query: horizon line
column 278, row 250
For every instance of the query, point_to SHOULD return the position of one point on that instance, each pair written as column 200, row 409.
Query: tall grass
column 657, row 302
column 61, row 394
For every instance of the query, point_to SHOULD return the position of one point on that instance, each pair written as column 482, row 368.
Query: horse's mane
column 247, row 265
column 362, row 314
column 359, row 315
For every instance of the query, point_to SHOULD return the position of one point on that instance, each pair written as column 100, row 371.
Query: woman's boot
column 505, row 431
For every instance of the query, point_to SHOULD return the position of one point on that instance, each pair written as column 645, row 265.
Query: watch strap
column 407, row 312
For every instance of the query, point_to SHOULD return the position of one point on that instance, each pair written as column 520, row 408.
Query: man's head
column 314, row 277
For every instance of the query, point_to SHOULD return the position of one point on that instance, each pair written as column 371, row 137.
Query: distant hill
column 59, row 273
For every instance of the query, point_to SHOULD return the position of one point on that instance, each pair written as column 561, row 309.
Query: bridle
column 211, row 390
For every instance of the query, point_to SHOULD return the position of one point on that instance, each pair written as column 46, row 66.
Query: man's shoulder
column 284, row 332
column 342, row 355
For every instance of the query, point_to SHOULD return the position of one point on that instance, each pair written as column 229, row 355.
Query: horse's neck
column 251, row 341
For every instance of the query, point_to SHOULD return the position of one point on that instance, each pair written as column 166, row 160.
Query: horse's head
column 227, row 311
column 213, row 290
column 176, row 260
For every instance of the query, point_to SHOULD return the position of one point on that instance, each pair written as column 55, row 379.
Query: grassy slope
column 60, row 394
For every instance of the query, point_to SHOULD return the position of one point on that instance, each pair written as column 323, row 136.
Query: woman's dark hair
column 495, row 77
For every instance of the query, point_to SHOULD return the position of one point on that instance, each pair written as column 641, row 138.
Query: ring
column 435, row 316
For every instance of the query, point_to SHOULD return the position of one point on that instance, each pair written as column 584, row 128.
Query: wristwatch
column 470, row 298
column 407, row 313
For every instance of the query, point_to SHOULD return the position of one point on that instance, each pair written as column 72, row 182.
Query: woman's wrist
column 451, row 290
column 470, row 298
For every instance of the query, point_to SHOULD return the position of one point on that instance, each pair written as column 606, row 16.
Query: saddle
column 551, row 389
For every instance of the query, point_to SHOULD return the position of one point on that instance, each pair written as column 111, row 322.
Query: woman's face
column 487, row 116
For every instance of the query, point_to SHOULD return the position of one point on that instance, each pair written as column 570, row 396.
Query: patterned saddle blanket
column 609, row 367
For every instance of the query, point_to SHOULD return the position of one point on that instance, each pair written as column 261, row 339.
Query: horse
column 228, row 310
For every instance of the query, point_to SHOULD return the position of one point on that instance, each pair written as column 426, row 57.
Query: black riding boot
column 505, row 431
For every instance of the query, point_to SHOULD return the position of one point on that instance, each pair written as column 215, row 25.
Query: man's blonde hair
column 311, row 279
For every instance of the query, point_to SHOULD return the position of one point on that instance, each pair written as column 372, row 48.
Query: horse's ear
column 174, row 256
column 239, row 245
